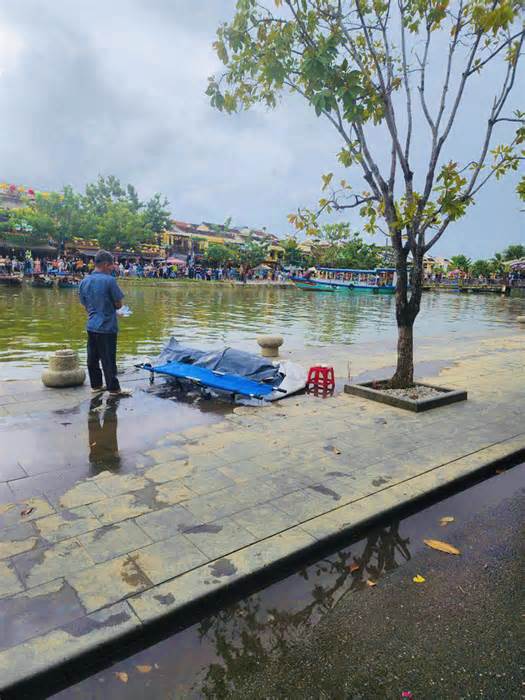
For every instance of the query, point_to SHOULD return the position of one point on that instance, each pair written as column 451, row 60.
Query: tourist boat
column 42, row 281
column 11, row 280
column 381, row 280
column 68, row 282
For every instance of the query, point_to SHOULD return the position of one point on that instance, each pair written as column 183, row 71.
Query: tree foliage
column 338, row 246
column 252, row 253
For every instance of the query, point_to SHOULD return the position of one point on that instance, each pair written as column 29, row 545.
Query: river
column 35, row 322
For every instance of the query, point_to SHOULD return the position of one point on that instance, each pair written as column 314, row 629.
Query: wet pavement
column 110, row 529
column 324, row 632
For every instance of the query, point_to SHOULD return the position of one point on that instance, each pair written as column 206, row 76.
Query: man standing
column 101, row 296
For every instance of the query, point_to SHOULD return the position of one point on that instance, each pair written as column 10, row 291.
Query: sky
column 90, row 87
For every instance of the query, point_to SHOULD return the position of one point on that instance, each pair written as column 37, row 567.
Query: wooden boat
column 11, row 280
column 378, row 281
column 68, row 282
column 42, row 281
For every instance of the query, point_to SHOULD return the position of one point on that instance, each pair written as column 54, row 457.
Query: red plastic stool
column 321, row 377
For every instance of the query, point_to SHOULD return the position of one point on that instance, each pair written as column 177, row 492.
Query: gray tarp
column 227, row 360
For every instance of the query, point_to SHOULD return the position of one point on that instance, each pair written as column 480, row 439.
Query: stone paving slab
column 86, row 562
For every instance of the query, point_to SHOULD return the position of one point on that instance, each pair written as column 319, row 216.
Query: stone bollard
column 270, row 345
column 63, row 370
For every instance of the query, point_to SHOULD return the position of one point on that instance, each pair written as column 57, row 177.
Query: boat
column 313, row 285
column 68, row 282
column 11, row 280
column 381, row 280
column 42, row 281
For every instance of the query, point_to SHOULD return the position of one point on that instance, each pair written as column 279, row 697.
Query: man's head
column 104, row 262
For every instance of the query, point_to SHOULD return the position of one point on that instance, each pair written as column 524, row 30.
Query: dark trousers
column 102, row 350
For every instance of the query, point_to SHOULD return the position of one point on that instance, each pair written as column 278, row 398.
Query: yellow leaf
column 371, row 583
column 446, row 519
column 442, row 546
column 122, row 676
column 144, row 669
column 418, row 579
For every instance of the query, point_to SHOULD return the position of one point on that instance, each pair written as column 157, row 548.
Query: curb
column 166, row 604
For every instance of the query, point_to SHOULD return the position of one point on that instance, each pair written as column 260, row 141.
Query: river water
column 34, row 322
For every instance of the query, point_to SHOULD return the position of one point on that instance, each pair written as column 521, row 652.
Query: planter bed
column 422, row 397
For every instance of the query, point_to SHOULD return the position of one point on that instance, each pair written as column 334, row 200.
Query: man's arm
column 116, row 293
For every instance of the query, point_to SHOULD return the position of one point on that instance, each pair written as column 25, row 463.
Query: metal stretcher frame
column 231, row 383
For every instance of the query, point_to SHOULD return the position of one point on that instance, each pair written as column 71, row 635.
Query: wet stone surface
column 184, row 512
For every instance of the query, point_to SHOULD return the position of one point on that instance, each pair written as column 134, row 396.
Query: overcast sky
column 91, row 86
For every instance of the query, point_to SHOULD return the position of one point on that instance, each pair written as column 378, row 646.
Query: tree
column 121, row 225
column 156, row 216
column 219, row 254
column 498, row 263
column 293, row 255
column 481, row 267
column 65, row 210
column 513, row 252
column 461, row 262
column 363, row 66
column 27, row 226
column 344, row 248
column 253, row 253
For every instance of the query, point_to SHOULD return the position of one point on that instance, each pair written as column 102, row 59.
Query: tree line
column 107, row 210
column 486, row 268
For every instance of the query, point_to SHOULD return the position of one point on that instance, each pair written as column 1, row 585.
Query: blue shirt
column 98, row 293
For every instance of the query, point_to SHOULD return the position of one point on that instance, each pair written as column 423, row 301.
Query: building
column 184, row 239
column 433, row 264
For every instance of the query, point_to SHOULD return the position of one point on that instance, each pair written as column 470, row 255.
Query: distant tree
column 364, row 67
column 338, row 246
column 481, row 267
column 498, row 263
column 121, row 225
column 156, row 215
column 101, row 194
column 27, row 226
column 293, row 255
column 252, row 253
column 512, row 252
column 461, row 262
column 69, row 217
column 219, row 254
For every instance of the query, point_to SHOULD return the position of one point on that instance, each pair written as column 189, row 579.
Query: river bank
column 103, row 552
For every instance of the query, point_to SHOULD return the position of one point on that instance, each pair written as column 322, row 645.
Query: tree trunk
column 404, row 375
column 407, row 308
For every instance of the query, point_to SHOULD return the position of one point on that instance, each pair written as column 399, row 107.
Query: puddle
column 101, row 433
column 215, row 656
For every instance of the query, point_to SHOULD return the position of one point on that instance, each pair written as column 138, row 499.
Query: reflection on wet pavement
column 216, row 656
column 48, row 451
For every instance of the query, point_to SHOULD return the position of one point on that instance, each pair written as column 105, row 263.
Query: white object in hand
column 124, row 311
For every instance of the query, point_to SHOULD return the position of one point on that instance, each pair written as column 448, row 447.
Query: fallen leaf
column 500, row 471
column 122, row 676
column 371, row 583
column 353, row 567
column 336, row 451
column 144, row 669
column 442, row 546
column 27, row 511
column 419, row 579
column 446, row 519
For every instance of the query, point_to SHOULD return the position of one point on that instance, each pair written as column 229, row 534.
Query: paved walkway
column 84, row 561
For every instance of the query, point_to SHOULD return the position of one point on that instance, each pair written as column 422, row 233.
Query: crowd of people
column 136, row 268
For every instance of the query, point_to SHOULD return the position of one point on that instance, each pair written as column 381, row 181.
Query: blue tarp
column 231, row 383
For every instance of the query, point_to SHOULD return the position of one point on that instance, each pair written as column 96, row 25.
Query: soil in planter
column 418, row 392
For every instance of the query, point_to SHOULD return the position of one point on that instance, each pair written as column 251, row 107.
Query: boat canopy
column 364, row 272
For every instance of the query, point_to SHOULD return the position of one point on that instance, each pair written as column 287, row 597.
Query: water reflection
column 102, row 434
column 246, row 635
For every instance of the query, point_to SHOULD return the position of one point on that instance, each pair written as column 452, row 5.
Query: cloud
column 96, row 87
